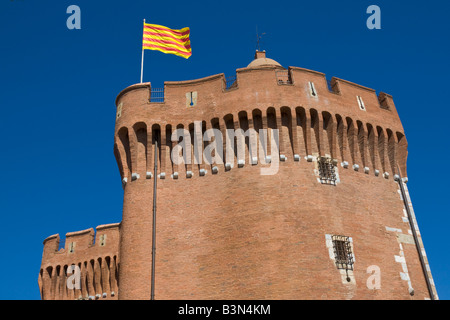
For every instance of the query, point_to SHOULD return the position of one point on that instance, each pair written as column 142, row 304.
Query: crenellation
column 210, row 93
column 83, row 239
column 51, row 245
column 96, row 262
column 333, row 86
column 136, row 93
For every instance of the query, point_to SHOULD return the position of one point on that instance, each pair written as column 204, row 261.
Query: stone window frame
column 312, row 89
column 361, row 104
column 347, row 276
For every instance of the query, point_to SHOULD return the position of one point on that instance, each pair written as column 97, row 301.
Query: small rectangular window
column 157, row 95
column 343, row 252
column 327, row 171
column 283, row 77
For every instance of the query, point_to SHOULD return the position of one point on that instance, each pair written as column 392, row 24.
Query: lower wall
column 242, row 235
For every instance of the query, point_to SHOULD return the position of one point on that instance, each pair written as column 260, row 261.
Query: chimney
column 260, row 54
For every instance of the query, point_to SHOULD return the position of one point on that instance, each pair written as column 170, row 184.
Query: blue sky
column 58, row 88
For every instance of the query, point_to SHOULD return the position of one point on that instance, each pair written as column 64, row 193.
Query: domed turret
column 261, row 60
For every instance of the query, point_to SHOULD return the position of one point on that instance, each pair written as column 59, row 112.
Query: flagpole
column 142, row 59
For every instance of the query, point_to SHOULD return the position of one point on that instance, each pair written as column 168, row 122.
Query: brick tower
column 312, row 204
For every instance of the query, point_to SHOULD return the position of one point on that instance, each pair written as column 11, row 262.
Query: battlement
column 292, row 81
column 80, row 240
column 315, row 117
column 94, row 252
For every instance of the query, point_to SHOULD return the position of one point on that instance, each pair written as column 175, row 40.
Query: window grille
column 327, row 170
column 62, row 244
column 230, row 82
column 343, row 252
column 283, row 77
column 157, row 95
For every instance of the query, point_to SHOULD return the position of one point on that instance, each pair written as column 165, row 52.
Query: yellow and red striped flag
column 167, row 40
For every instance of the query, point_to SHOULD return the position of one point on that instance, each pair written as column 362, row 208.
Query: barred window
column 157, row 95
column 342, row 252
column 230, row 82
column 327, row 170
column 283, row 77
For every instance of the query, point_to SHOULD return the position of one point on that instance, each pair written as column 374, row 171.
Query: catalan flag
column 167, row 40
